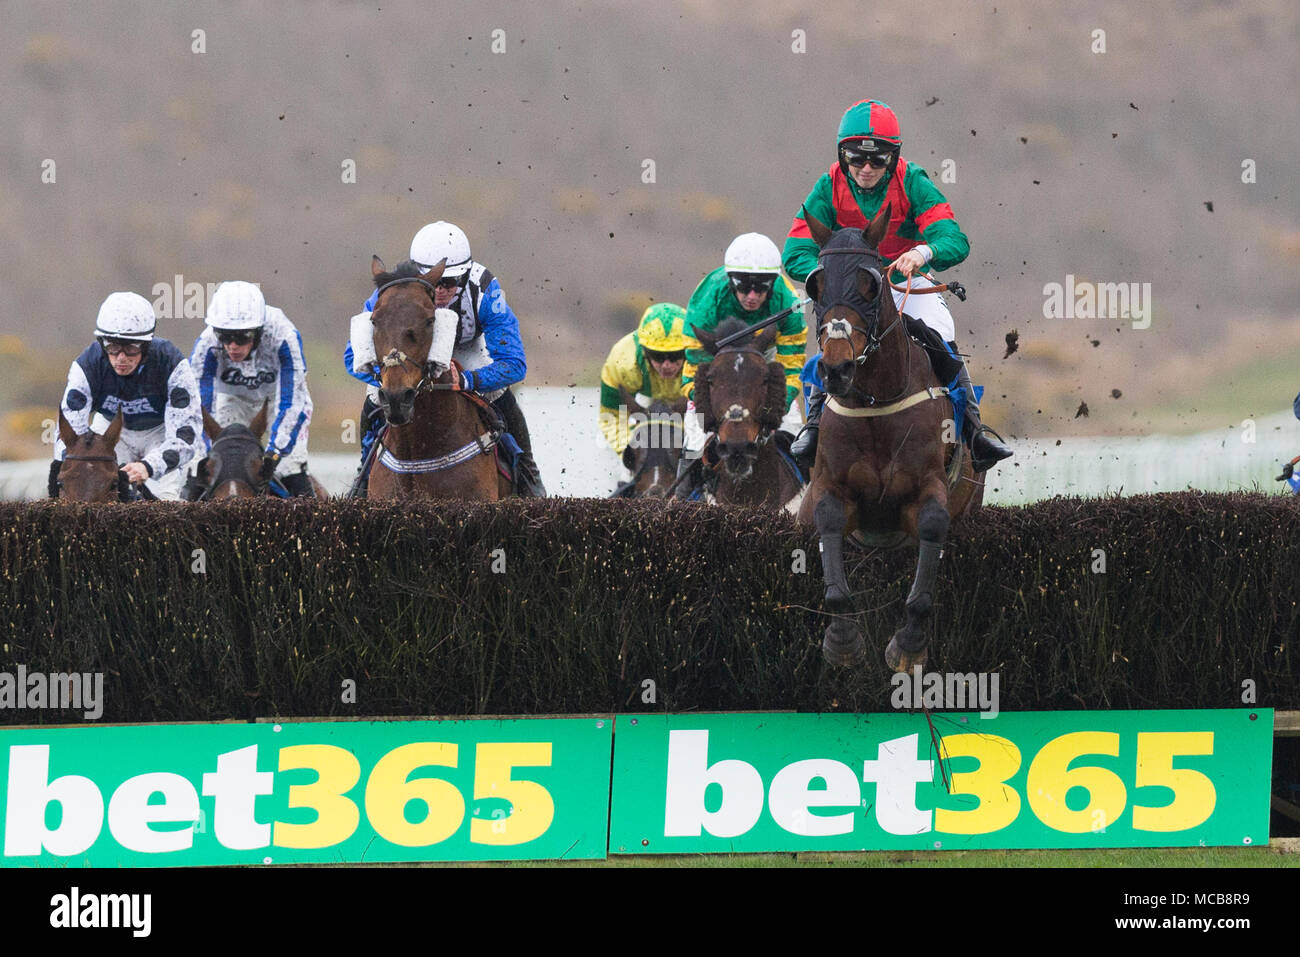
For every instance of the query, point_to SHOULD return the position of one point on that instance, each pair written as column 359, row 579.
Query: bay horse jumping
column 437, row 444
column 890, row 468
column 234, row 464
column 741, row 396
column 653, row 450
column 90, row 471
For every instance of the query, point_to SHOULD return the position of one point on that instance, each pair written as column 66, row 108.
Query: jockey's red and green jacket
column 919, row 214
column 714, row 300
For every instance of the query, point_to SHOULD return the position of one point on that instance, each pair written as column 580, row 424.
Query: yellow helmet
column 662, row 328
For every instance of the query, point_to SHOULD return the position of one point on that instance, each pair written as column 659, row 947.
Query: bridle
column 397, row 357
column 739, row 413
column 123, row 483
column 843, row 328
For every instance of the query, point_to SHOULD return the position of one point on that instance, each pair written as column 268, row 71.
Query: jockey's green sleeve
column 714, row 301
column 919, row 214
column 626, row 372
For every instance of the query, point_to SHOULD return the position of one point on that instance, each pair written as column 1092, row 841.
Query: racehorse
column 90, row 472
column 887, row 433
column 653, row 450
column 234, row 467
column 741, row 397
column 441, row 441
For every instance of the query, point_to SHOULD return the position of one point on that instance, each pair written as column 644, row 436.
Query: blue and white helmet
column 125, row 315
column 238, row 307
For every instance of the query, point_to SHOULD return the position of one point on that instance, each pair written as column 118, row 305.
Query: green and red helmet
column 869, row 126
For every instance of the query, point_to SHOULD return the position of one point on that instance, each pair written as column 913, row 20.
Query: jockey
column 251, row 353
column 468, row 288
column 870, row 172
column 748, row 286
column 126, row 369
column 647, row 361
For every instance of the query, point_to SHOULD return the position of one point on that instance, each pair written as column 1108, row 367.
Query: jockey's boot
column 687, row 484
column 53, row 486
column 528, row 477
column 986, row 446
column 298, row 485
column 804, row 447
column 193, row 489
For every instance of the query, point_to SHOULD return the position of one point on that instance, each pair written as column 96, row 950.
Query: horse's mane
column 406, row 269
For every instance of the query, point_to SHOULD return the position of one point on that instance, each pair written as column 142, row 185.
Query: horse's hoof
column 903, row 661
column 843, row 646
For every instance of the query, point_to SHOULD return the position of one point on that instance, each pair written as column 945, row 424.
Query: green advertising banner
column 323, row 792
column 804, row 782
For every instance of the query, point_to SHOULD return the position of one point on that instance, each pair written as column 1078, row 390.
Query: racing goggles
column 745, row 283
column 857, row 157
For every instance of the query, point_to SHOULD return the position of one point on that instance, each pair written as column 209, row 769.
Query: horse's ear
column 766, row 339
column 821, row 233
column 258, row 425
column 707, row 339
column 66, row 432
column 114, row 430
column 210, row 427
column 629, row 457
column 875, row 231
column 204, row 469
column 376, row 267
column 434, row 274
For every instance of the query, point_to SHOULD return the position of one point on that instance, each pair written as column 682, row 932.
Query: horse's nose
column 738, row 449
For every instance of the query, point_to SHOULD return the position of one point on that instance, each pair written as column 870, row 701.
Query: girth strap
column 480, row 446
column 915, row 399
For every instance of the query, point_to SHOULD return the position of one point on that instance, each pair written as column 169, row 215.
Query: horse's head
column 89, row 472
column 740, row 394
column 850, row 297
column 233, row 468
column 654, row 448
column 403, row 320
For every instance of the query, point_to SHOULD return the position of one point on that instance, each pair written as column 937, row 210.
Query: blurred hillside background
column 1122, row 166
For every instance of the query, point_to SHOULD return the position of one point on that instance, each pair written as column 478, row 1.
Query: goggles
column 857, row 157
column 234, row 338
column 752, row 282
column 123, row 349
column 665, row 356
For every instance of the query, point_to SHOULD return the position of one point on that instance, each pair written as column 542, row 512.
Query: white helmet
column 439, row 241
column 126, row 315
column 237, row 306
column 752, row 252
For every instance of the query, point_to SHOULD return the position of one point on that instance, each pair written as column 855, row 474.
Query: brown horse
column 886, row 435
column 234, row 466
column 90, row 472
column 741, row 396
column 437, row 444
column 654, row 448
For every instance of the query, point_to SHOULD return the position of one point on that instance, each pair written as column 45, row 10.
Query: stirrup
column 996, row 454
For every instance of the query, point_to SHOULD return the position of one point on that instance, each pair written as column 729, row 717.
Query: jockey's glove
column 466, row 381
column 1287, row 471
column 270, row 461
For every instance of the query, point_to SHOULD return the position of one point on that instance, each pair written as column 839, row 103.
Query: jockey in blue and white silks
column 488, row 346
column 127, row 369
column 249, row 354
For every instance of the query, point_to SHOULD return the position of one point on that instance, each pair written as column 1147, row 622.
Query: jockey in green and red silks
column 869, row 172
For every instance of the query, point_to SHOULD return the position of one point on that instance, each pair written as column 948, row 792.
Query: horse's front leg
column 929, row 523
column 843, row 644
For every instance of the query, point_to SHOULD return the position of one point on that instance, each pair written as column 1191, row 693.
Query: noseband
column 397, row 357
